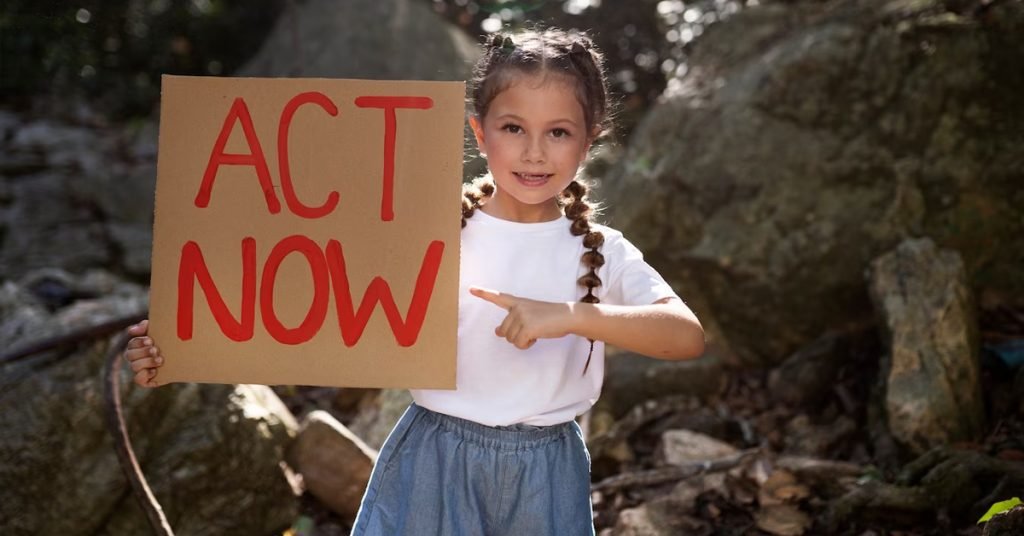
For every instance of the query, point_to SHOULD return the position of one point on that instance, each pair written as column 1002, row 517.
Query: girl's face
column 534, row 137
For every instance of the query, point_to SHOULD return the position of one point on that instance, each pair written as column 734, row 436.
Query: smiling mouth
column 533, row 179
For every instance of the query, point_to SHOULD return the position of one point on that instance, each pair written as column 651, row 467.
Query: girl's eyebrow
column 515, row 117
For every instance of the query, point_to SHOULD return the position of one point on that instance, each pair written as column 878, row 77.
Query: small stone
column 335, row 464
column 679, row 447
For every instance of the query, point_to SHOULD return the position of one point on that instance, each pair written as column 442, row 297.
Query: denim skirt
column 443, row 475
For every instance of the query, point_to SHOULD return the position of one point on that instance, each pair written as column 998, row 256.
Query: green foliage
column 303, row 526
column 998, row 508
column 114, row 51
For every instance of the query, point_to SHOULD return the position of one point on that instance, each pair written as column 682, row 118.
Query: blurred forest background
column 112, row 53
column 836, row 188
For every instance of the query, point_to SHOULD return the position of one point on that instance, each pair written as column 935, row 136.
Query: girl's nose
column 534, row 151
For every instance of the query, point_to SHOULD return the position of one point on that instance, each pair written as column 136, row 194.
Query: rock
column 86, row 209
column 933, row 391
column 133, row 244
column 375, row 422
column 124, row 195
column 631, row 379
column 48, row 137
column 669, row 514
column 21, row 313
column 679, row 447
column 1009, row 523
column 207, row 450
column 44, row 227
column 379, row 40
column 640, row 521
column 335, row 464
column 12, row 164
column 805, row 438
column 807, row 139
column 808, row 377
column 391, row 39
column 50, row 302
column 68, row 148
column 9, row 124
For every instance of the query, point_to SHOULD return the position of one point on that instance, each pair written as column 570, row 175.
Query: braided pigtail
column 579, row 211
column 472, row 194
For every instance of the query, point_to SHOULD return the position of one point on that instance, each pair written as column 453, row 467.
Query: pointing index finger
column 501, row 299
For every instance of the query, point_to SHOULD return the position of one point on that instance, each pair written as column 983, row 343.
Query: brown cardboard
column 344, row 153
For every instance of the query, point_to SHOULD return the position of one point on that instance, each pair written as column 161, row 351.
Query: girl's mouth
column 533, row 179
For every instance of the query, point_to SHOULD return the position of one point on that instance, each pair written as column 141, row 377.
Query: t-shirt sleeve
column 631, row 281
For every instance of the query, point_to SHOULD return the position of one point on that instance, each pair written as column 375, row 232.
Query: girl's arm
column 667, row 329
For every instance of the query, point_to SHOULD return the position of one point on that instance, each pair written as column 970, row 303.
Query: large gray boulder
column 388, row 39
column 212, row 453
column 807, row 139
column 632, row 379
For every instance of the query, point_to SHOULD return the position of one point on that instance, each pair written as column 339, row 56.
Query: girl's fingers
column 502, row 330
column 522, row 339
column 134, row 354
column 147, row 363
column 139, row 329
column 146, row 378
column 513, row 334
column 139, row 342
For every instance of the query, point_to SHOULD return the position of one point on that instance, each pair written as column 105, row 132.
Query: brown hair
column 550, row 51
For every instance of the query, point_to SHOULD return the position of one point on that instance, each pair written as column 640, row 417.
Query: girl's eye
column 560, row 133
column 512, row 128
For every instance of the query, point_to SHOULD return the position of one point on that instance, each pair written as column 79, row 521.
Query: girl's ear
column 478, row 132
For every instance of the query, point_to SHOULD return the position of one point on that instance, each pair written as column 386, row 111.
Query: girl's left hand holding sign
column 528, row 320
column 143, row 355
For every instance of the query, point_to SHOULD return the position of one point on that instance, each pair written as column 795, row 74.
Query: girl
column 502, row 454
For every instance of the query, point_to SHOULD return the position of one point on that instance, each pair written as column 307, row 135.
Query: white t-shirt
column 498, row 384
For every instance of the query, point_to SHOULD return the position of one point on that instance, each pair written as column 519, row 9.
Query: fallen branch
column 73, row 337
column 662, row 475
column 123, row 444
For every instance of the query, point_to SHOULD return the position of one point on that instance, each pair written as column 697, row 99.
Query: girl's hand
column 143, row 355
column 528, row 320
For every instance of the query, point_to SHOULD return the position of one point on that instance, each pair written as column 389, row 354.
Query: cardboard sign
column 307, row 231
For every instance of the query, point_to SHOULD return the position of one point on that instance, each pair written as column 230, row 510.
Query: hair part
column 571, row 56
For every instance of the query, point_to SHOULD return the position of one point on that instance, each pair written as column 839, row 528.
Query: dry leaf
column 783, row 520
column 792, row 493
column 778, row 480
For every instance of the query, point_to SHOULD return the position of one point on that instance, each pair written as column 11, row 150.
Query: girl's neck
column 503, row 207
